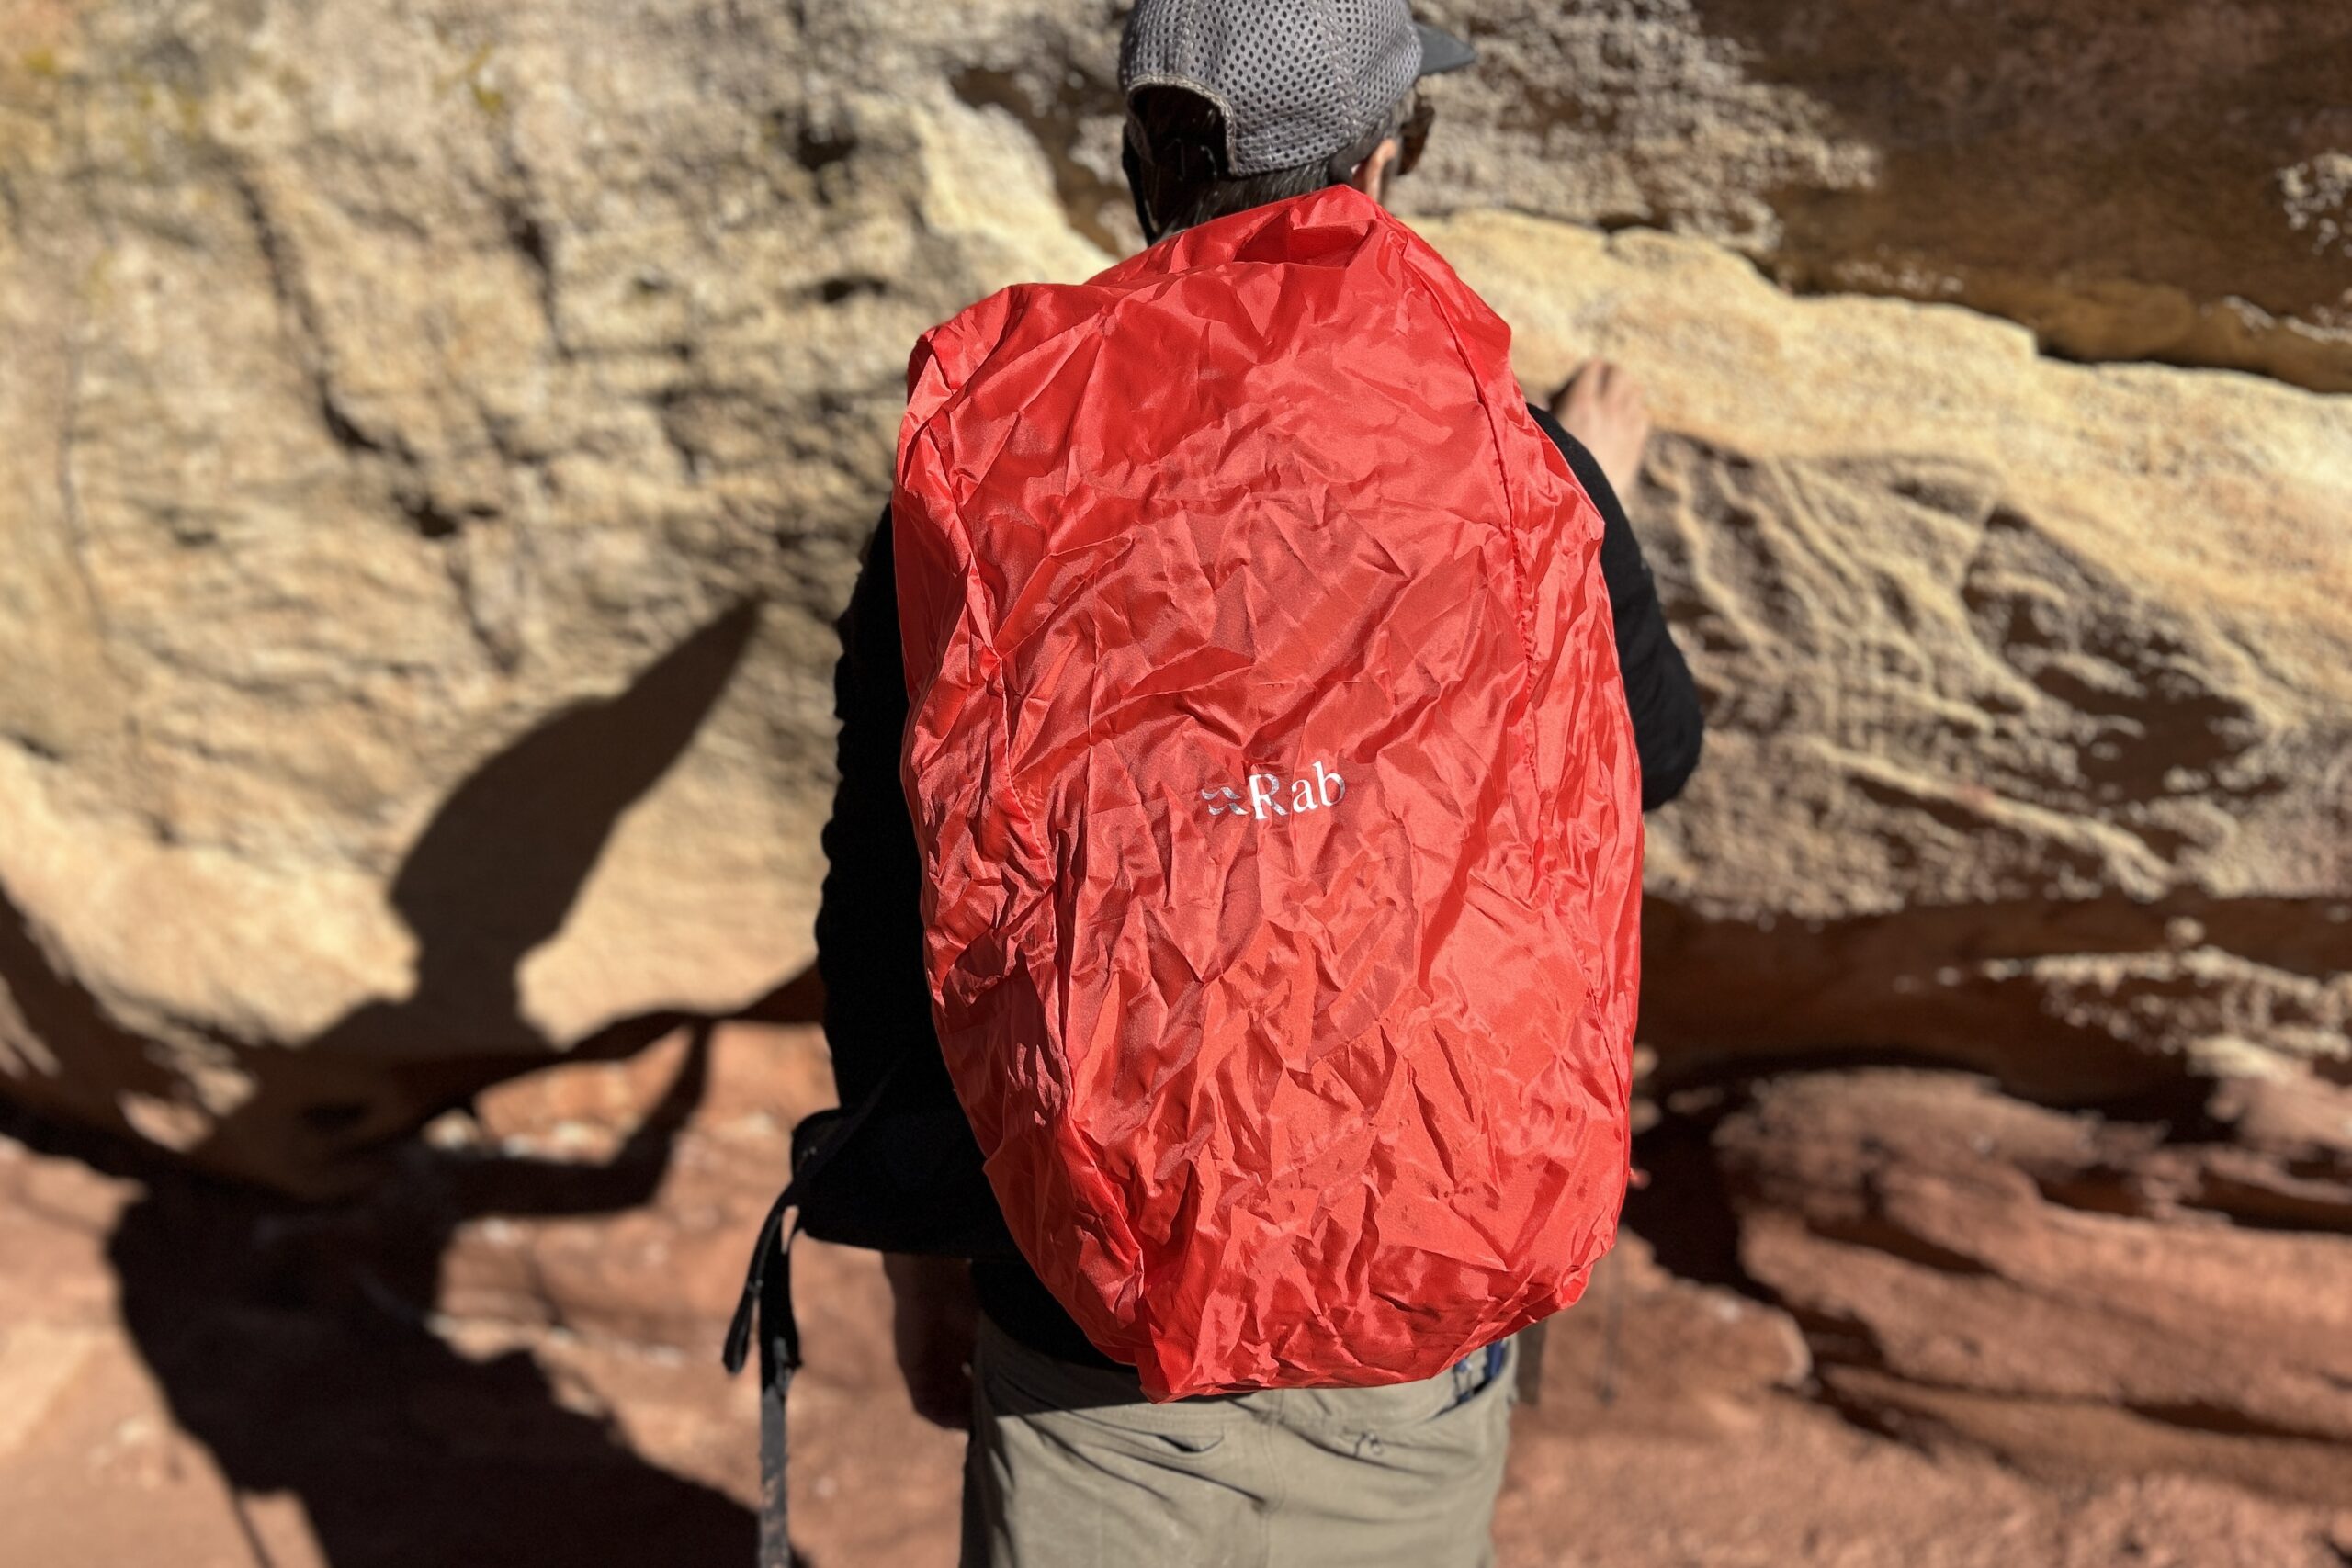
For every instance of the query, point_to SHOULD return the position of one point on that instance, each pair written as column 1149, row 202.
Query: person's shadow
column 295, row 1340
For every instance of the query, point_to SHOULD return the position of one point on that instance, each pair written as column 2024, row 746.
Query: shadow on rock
column 296, row 1341
column 493, row 877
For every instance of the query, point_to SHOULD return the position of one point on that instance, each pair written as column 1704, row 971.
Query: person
column 1234, row 104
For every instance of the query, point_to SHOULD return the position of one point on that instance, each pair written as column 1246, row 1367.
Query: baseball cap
column 1294, row 81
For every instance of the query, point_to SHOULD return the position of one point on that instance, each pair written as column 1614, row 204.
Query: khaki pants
column 1070, row 1468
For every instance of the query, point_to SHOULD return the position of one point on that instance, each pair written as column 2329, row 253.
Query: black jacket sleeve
column 1667, row 725
column 869, row 919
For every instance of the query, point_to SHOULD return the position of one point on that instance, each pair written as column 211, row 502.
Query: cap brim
column 1441, row 51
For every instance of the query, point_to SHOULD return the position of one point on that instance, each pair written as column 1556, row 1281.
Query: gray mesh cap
column 1296, row 81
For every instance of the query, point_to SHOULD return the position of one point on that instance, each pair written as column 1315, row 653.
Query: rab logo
column 1266, row 791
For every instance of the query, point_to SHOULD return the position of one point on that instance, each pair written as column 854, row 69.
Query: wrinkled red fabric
column 1279, row 807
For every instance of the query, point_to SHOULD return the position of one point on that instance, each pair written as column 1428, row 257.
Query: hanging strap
column 766, row 1305
column 779, row 1359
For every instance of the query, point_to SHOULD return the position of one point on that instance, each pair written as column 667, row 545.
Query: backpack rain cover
column 1278, row 803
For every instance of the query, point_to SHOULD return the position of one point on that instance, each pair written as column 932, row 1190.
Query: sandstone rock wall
column 2171, row 182
column 2056, row 1288
column 438, row 435
column 2163, row 181
column 2030, row 684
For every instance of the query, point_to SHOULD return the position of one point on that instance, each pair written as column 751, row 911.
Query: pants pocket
column 1449, row 1425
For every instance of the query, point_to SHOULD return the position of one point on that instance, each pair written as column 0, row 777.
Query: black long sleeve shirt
column 869, row 925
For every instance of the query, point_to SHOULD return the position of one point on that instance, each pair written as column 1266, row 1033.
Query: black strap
column 767, row 1302
column 779, row 1359
column 774, row 1243
column 755, row 1303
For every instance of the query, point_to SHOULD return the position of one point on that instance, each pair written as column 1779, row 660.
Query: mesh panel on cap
column 1298, row 80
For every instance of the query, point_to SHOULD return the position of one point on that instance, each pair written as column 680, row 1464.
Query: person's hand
column 1602, row 406
column 934, row 1321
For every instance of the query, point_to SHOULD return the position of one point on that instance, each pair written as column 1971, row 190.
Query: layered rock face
column 2030, row 752
column 2083, row 1294
column 438, row 438
column 2030, row 685
column 529, row 1313
column 439, row 435
column 2166, row 182
column 2173, row 182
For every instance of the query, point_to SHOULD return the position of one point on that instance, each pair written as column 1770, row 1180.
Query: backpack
column 1278, row 803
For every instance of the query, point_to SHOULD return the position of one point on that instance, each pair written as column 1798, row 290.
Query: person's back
column 1235, row 107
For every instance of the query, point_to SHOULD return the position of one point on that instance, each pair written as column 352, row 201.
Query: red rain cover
column 1279, row 808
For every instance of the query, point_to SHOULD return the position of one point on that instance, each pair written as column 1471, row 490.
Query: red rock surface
column 508, row 1355
column 2082, row 1295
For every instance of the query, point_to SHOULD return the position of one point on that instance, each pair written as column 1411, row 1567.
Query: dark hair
column 1175, row 159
